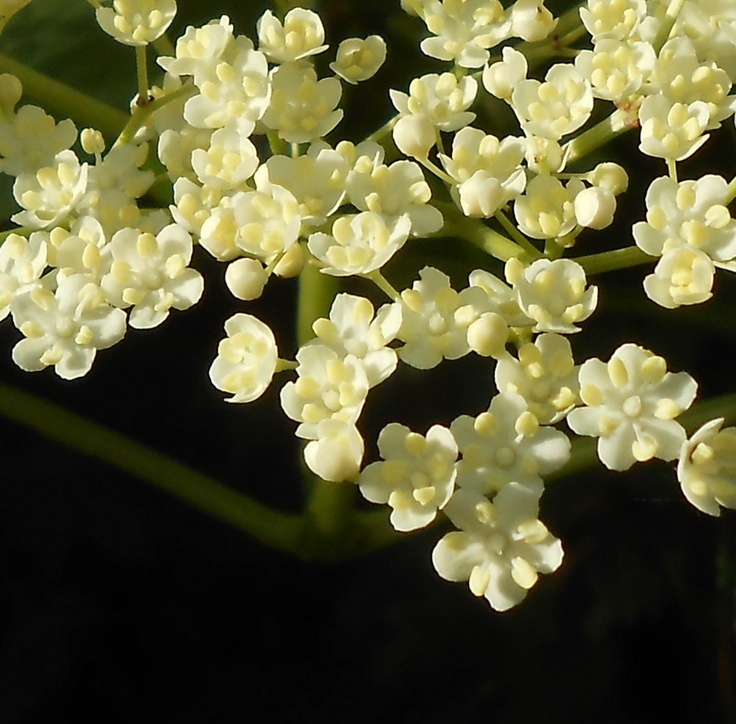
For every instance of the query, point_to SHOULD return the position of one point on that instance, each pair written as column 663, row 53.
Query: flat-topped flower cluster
column 239, row 127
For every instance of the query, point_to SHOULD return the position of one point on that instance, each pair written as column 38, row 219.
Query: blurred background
column 122, row 604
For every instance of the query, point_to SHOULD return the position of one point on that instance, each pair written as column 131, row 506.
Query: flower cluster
column 241, row 127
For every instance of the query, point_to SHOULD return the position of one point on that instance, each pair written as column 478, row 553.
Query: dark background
column 122, row 604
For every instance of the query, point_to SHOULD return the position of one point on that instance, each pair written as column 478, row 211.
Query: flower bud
column 531, row 21
column 336, row 455
column 609, row 176
column 594, row 207
column 501, row 78
column 414, row 135
column 245, row 278
column 487, row 336
column 481, row 195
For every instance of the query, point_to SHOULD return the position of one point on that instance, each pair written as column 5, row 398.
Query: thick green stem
column 283, row 531
column 610, row 260
column 477, row 233
column 599, row 135
column 65, row 100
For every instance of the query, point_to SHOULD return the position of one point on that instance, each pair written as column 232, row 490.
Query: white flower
column 268, row 223
column 65, row 328
column 336, row 453
column 199, row 50
column 436, row 319
column 556, row 107
column 136, row 22
column 464, row 30
column 52, row 193
column 230, row 160
column 545, row 375
column 235, row 91
column 22, row 261
column 302, row 107
column 617, row 19
column 393, row 191
column 501, row 546
column 681, row 77
column 353, row 329
column 547, row 208
column 441, row 98
column 501, row 298
column 631, row 405
column 316, row 179
column 690, row 214
column 416, row 476
column 358, row 59
column 150, row 273
column 301, row 35
column 501, row 77
column 246, row 359
column 78, row 251
column 531, row 21
column 616, row 69
column 329, row 387
column 683, row 275
column 670, row 130
column 488, row 171
column 553, row 293
column 30, row 140
column 359, row 244
column 707, row 467
column 506, row 444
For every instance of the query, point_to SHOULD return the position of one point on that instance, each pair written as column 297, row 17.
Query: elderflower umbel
column 416, row 476
column 707, row 468
column 631, row 403
column 501, row 546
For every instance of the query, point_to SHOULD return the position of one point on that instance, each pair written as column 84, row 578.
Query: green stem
column 65, row 100
column 141, row 67
column 609, row 128
column 610, row 260
column 516, row 235
column 674, row 8
column 383, row 284
column 142, row 113
column 283, row 531
column 478, row 234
